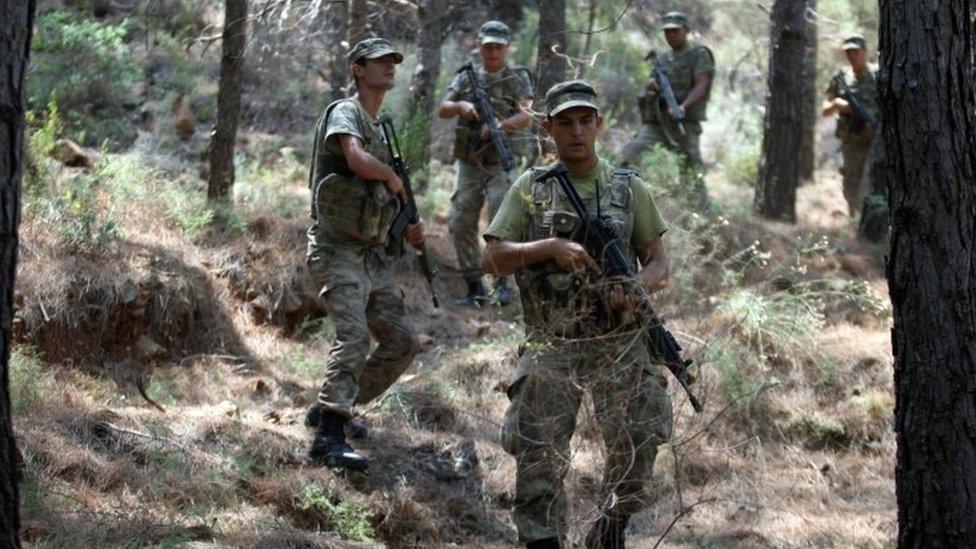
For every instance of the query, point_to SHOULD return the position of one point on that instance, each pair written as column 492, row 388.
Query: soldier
column 356, row 196
column 480, row 176
column 856, row 134
column 690, row 67
column 569, row 347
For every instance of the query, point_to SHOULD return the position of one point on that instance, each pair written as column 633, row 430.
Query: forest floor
column 795, row 447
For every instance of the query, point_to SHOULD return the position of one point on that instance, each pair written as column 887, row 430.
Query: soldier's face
column 857, row 57
column 575, row 131
column 377, row 73
column 493, row 55
column 676, row 38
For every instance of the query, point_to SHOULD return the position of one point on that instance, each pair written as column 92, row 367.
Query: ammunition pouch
column 354, row 208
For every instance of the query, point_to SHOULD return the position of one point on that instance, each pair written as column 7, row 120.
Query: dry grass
column 795, row 447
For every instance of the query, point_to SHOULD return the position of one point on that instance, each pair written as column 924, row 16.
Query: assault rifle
column 487, row 116
column 604, row 246
column 861, row 112
column 408, row 211
column 667, row 92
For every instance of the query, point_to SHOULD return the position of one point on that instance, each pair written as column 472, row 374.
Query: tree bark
column 587, row 40
column 339, row 76
column 358, row 21
column 927, row 93
column 551, row 65
column 431, row 16
column 16, row 25
column 234, row 40
column 779, row 169
column 810, row 99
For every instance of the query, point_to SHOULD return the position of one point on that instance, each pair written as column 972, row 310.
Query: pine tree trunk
column 16, row 25
column 358, row 21
column 810, row 101
column 431, row 17
column 551, row 67
column 339, row 76
column 234, row 40
column 779, row 170
column 927, row 94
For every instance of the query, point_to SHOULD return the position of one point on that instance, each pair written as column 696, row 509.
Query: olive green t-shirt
column 512, row 218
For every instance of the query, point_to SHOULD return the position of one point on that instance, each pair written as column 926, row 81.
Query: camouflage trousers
column 361, row 298
column 855, row 154
column 632, row 408
column 688, row 146
column 475, row 185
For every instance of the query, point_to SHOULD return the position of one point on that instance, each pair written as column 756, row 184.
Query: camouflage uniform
column 856, row 136
column 349, row 256
column 570, row 348
column 657, row 125
column 480, row 177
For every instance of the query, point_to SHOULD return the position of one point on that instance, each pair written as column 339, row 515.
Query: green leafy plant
column 86, row 68
column 349, row 520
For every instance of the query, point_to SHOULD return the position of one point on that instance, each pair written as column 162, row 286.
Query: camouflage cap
column 674, row 20
column 566, row 95
column 494, row 32
column 855, row 42
column 373, row 48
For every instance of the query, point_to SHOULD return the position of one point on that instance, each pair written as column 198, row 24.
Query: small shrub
column 742, row 167
column 83, row 224
column 783, row 322
column 40, row 142
column 28, row 385
column 347, row 519
column 87, row 69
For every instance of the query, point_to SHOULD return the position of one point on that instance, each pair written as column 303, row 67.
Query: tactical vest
column 502, row 91
column 865, row 86
column 554, row 302
column 346, row 207
column 680, row 68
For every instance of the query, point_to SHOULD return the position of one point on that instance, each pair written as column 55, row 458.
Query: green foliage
column 412, row 134
column 347, row 519
column 781, row 322
column 260, row 187
column 662, row 171
column 29, row 387
column 40, row 142
column 87, row 69
column 742, row 167
column 83, row 224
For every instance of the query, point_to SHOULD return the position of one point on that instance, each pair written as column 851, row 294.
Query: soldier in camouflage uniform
column 480, row 176
column 579, row 336
column 355, row 197
column 690, row 68
column 856, row 135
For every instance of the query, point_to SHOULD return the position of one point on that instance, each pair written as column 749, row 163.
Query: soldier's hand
column 414, row 233
column 485, row 132
column 394, row 186
column 680, row 115
column 572, row 257
column 466, row 110
column 652, row 85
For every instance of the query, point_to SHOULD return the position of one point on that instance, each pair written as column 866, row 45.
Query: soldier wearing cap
column 856, row 135
column 690, row 68
column 579, row 336
column 480, row 176
column 355, row 197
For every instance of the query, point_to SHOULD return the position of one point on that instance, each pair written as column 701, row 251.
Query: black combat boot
column 548, row 543
column 355, row 430
column 608, row 532
column 475, row 296
column 500, row 294
column 329, row 447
